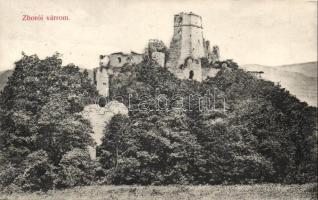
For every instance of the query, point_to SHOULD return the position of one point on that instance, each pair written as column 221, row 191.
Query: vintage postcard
column 138, row 99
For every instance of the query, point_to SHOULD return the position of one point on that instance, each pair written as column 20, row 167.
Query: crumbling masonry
column 184, row 57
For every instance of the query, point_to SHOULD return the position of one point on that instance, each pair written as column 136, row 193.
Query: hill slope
column 257, row 127
column 299, row 79
column 4, row 75
column 308, row 69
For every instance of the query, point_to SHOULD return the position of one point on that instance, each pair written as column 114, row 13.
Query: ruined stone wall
column 136, row 59
column 195, row 20
column 120, row 59
column 99, row 117
column 102, row 81
column 159, row 58
column 189, row 65
column 197, row 45
column 103, row 60
column 185, row 50
column 209, row 72
column 156, row 45
column 215, row 54
column 110, row 65
column 207, row 48
column 194, row 66
column 175, row 48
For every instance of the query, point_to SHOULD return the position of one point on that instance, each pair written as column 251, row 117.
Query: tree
column 117, row 148
column 265, row 135
column 40, row 111
column 37, row 172
column 75, row 168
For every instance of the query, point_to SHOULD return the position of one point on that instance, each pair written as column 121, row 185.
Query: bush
column 37, row 173
column 75, row 169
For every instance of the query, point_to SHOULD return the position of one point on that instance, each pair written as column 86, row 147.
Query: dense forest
column 254, row 131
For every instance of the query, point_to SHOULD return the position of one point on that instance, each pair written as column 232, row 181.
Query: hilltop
column 300, row 79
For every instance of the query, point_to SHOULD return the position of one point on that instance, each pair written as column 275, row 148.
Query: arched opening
column 119, row 59
column 188, row 61
column 191, row 74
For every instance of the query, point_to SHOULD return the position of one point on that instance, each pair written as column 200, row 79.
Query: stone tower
column 187, row 47
column 101, row 76
column 102, row 81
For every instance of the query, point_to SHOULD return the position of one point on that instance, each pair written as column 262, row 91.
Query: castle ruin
column 188, row 57
column 188, row 48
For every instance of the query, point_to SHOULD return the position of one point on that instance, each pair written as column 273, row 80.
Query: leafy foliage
column 265, row 135
column 254, row 130
column 40, row 120
column 76, row 168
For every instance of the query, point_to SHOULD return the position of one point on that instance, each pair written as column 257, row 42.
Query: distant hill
column 300, row 79
column 4, row 75
column 308, row 69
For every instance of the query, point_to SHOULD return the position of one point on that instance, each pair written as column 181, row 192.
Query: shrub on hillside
column 75, row 168
column 37, row 173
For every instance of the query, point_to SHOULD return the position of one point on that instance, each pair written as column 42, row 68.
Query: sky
column 264, row 32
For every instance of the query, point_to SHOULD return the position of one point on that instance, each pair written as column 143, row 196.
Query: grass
column 233, row 192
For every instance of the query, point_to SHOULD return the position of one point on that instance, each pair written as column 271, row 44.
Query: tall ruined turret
column 187, row 47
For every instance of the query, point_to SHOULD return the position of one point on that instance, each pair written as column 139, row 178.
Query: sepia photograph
column 158, row 100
